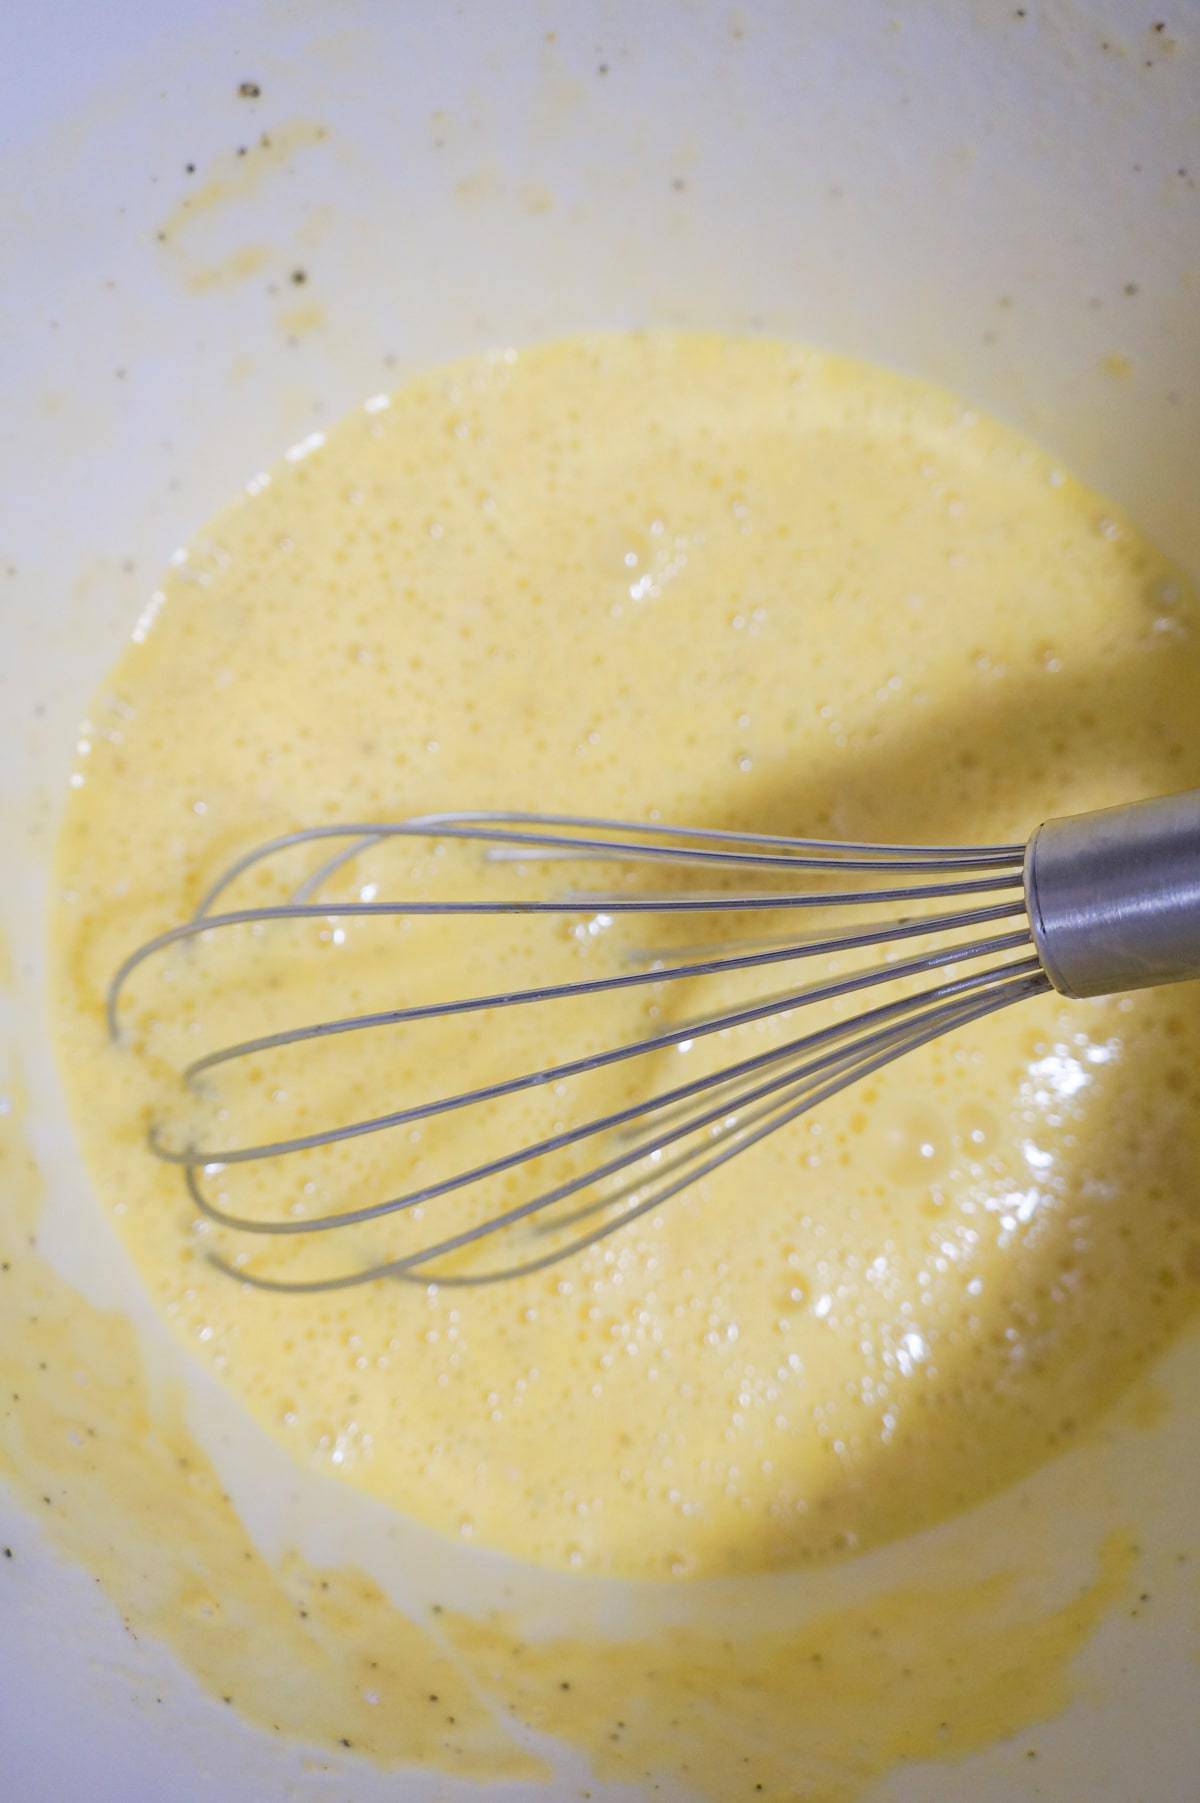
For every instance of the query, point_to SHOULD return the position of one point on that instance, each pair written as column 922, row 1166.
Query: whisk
column 1093, row 904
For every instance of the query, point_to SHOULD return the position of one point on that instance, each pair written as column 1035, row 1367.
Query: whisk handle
column 1114, row 896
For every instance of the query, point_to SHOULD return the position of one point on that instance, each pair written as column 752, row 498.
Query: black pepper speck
column 248, row 90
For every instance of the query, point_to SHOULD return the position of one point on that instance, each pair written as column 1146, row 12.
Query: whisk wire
column 415, row 1267
column 901, row 1010
column 665, row 1141
column 495, row 826
column 829, row 945
column 592, row 1061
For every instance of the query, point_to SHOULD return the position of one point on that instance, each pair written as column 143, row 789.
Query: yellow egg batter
column 751, row 1692
column 741, row 585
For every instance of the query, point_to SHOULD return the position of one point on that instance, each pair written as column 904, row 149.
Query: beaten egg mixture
column 730, row 583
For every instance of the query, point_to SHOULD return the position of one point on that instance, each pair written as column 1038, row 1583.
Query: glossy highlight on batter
column 720, row 581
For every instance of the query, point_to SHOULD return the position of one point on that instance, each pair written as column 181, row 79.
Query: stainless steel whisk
column 1093, row 904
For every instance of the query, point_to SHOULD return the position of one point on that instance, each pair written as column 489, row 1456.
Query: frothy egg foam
column 727, row 582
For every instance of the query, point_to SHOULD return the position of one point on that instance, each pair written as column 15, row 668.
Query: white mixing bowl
column 1000, row 198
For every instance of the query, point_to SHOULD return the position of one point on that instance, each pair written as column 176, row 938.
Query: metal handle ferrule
column 1114, row 896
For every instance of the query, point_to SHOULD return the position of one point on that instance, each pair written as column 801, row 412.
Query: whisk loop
column 970, row 902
